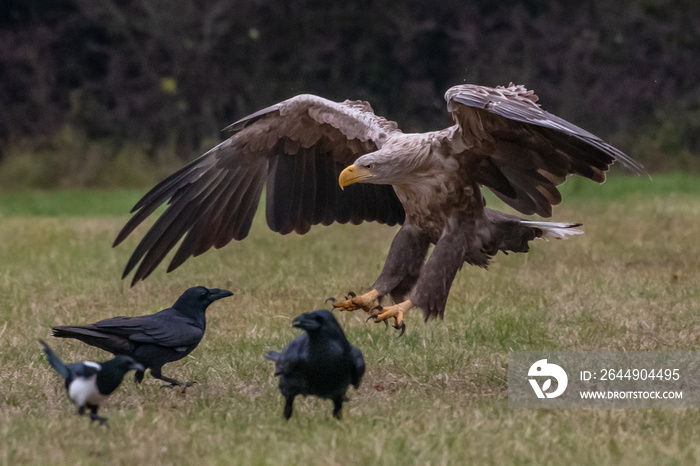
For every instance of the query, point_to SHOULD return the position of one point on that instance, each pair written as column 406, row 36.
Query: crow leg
column 138, row 376
column 288, row 406
column 155, row 372
column 337, row 407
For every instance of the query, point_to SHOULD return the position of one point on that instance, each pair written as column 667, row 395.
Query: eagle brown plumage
column 428, row 182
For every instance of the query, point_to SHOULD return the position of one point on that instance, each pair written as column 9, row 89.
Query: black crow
column 319, row 362
column 152, row 340
column 89, row 383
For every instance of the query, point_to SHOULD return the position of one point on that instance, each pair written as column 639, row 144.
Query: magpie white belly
column 84, row 391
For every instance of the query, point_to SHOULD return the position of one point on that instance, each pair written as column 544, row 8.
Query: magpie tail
column 55, row 361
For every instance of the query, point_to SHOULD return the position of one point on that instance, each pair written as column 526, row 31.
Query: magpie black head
column 199, row 298
column 126, row 363
column 317, row 321
column 120, row 365
column 112, row 372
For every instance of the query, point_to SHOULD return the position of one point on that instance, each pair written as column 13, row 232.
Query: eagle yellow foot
column 353, row 302
column 381, row 314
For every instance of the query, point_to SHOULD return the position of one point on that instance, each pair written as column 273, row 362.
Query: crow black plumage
column 320, row 362
column 152, row 340
column 89, row 383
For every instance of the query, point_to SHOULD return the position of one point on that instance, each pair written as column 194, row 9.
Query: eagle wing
column 522, row 152
column 296, row 148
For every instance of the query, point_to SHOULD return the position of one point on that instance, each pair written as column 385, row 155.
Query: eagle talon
column 395, row 312
column 331, row 299
column 374, row 316
column 375, row 311
column 401, row 326
column 353, row 302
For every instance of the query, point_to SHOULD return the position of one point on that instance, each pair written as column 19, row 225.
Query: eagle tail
column 554, row 230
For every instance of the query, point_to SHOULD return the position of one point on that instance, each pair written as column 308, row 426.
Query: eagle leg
column 353, row 302
column 381, row 314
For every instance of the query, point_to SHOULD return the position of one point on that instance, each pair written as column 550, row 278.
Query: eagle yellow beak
column 353, row 174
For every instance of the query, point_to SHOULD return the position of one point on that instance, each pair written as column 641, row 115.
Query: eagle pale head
column 392, row 164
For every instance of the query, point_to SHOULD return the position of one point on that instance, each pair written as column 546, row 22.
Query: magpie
column 152, row 340
column 89, row 383
column 319, row 362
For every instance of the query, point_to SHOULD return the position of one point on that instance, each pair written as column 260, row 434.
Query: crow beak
column 216, row 294
column 135, row 366
column 305, row 323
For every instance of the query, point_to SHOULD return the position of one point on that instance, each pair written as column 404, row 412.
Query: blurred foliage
column 68, row 159
column 166, row 75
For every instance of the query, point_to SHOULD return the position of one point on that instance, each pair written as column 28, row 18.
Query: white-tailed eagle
column 428, row 182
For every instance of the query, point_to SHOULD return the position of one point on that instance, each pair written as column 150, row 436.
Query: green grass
column 68, row 203
column 438, row 395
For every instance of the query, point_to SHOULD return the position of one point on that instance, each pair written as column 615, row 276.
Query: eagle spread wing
column 522, row 152
column 296, row 148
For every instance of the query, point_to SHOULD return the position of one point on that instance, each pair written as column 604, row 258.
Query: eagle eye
column 369, row 166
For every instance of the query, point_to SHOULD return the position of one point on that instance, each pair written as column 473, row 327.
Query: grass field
column 438, row 395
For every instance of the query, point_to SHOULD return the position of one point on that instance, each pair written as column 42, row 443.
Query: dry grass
column 435, row 396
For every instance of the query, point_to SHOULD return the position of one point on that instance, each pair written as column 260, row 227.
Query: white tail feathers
column 555, row 230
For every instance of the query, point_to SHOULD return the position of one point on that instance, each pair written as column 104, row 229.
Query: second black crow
column 89, row 383
column 320, row 362
column 152, row 340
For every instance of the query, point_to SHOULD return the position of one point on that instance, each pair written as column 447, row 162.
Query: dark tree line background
column 163, row 73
